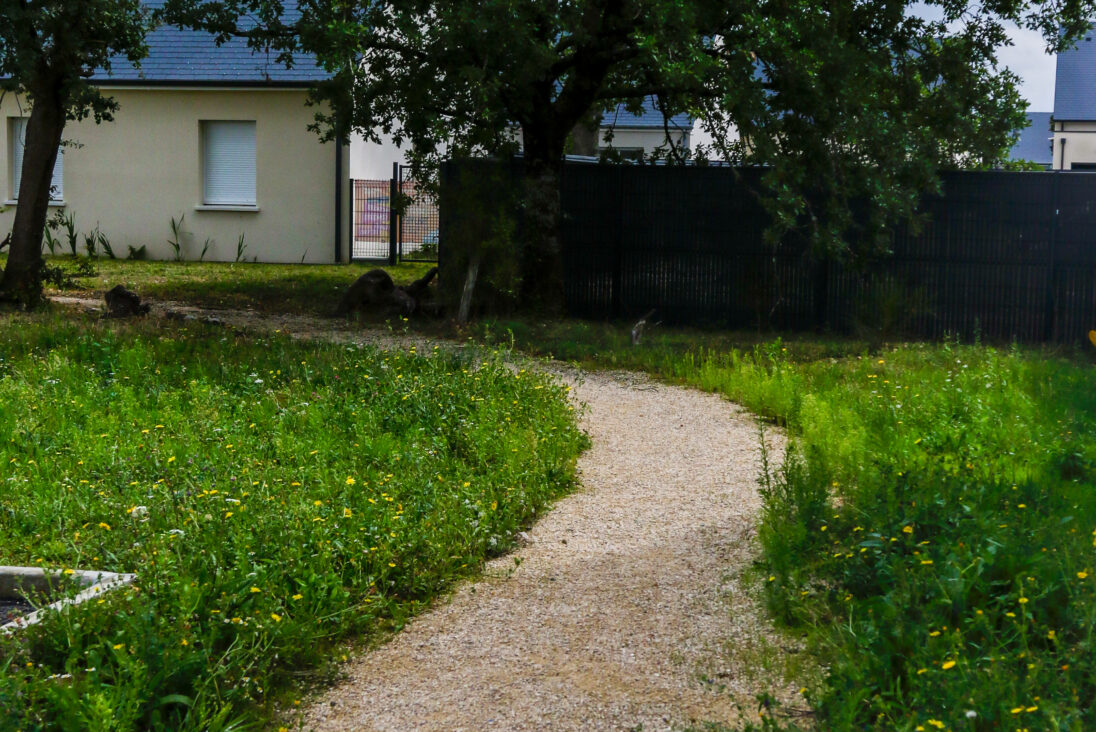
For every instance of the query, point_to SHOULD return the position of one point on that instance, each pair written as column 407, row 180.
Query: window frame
column 212, row 203
column 16, row 132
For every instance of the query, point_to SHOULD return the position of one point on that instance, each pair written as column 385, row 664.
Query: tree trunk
column 542, row 264
column 22, row 282
column 586, row 135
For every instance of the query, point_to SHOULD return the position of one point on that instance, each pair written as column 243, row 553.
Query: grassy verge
column 309, row 289
column 933, row 527
column 272, row 496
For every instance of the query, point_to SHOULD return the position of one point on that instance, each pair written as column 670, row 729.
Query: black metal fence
column 407, row 232
column 1003, row 255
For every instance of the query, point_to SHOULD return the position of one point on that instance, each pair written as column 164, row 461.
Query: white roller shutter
column 228, row 163
column 18, row 131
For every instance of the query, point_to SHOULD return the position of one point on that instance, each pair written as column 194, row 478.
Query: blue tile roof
column 1034, row 142
column 190, row 57
column 650, row 118
column 1075, row 81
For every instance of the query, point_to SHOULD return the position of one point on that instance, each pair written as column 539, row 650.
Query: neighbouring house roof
column 192, row 58
column 1075, row 81
column 649, row 119
column 1034, row 142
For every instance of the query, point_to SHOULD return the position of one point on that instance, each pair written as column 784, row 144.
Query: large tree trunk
column 22, row 282
column 542, row 265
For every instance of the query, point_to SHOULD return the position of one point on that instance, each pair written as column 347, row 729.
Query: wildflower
column 1082, row 575
column 255, row 589
column 934, row 633
column 298, row 596
column 171, row 459
column 347, row 513
column 947, row 664
column 926, row 561
column 185, row 642
column 1051, row 635
column 103, row 525
column 350, row 481
column 1031, row 709
column 936, row 723
column 1016, row 710
column 119, row 646
column 317, row 503
column 1023, row 601
column 275, row 617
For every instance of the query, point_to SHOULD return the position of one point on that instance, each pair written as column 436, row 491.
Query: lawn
column 272, row 496
column 309, row 289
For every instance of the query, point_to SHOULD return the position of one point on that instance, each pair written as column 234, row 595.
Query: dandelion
column 1023, row 601
column 317, row 503
column 1082, row 575
column 298, row 596
column 255, row 589
column 347, row 513
column 350, row 481
column 171, row 459
column 103, row 525
column 275, row 617
column 1016, row 710
column 926, row 561
column 185, row 642
column 936, row 723
column 119, row 646
column 947, row 664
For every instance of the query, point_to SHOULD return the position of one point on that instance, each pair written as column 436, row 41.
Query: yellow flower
column 934, row 633
column 936, row 723
column 298, row 596
column 171, row 459
column 350, row 481
column 317, row 503
column 922, row 671
column 1022, row 601
column 119, row 646
column 185, row 643
column 255, row 589
column 1032, row 709
column 347, row 513
column 104, row 526
column 1016, row 710
column 947, row 664
column 823, row 527
column 1082, row 575
column 926, row 561
column 1051, row 635
column 228, row 514
column 390, row 564
column 907, row 529
column 275, row 617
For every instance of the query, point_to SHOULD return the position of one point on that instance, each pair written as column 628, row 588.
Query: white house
column 214, row 136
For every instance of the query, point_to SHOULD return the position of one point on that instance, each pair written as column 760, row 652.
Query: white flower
column 971, row 714
column 138, row 512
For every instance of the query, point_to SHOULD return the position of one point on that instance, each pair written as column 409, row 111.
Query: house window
column 17, row 134
column 228, row 163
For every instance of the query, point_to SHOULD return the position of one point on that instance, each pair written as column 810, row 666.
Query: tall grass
column 271, row 496
column 933, row 527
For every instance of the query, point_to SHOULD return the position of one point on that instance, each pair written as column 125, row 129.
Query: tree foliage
column 48, row 51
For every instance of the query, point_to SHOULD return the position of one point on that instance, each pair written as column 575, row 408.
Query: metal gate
column 406, row 232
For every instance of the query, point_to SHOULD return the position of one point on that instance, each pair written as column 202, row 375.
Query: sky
column 1027, row 58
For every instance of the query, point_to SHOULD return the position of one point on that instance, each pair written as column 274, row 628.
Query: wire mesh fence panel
column 372, row 214
column 418, row 233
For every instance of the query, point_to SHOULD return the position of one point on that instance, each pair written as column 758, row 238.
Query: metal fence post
column 393, row 217
column 1052, row 265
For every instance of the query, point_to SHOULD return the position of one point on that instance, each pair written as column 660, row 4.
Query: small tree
column 48, row 49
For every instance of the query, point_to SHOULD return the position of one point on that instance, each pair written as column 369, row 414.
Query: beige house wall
column 648, row 139
column 1074, row 142
column 131, row 176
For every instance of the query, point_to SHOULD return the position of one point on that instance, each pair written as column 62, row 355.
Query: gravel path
column 625, row 610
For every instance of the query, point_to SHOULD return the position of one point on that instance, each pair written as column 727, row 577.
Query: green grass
column 309, row 289
column 273, row 497
column 933, row 528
